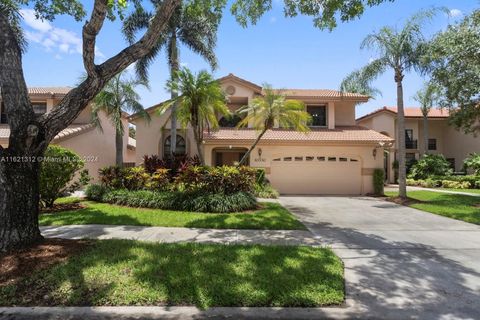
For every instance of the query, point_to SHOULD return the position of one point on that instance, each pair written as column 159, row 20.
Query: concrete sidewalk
column 394, row 187
column 170, row 235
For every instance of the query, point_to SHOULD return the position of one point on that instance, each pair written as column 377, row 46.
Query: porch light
column 374, row 153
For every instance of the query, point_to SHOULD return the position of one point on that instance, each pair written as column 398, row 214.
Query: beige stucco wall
column 364, row 153
column 344, row 113
column 459, row 145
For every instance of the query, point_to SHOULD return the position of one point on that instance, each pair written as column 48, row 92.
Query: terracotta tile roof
column 72, row 130
column 411, row 112
column 321, row 93
column 339, row 134
column 49, row 90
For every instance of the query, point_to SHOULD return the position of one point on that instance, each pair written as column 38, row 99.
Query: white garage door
column 329, row 175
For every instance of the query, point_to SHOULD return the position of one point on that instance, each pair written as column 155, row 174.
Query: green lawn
column 474, row 191
column 271, row 216
column 456, row 206
column 124, row 272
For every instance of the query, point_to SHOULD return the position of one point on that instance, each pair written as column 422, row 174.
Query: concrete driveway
column 399, row 262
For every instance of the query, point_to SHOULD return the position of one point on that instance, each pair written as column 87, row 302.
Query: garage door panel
column 302, row 177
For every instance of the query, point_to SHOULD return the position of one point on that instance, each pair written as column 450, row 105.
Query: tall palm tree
column 427, row 97
column 194, row 24
column 118, row 96
column 270, row 109
column 399, row 50
column 200, row 101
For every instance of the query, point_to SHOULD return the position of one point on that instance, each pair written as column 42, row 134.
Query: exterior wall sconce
column 374, row 153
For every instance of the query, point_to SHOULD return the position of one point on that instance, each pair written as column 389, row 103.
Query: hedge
column 454, row 182
column 179, row 201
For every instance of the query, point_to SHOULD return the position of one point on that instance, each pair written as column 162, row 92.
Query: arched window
column 181, row 146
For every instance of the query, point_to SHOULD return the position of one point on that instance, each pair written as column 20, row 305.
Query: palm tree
column 427, row 96
column 270, row 109
column 195, row 25
column 118, row 96
column 400, row 51
column 200, row 103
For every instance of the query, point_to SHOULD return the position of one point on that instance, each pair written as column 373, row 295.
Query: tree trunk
column 425, row 134
column 174, row 68
column 402, row 171
column 247, row 155
column 119, row 149
column 198, row 142
column 19, row 198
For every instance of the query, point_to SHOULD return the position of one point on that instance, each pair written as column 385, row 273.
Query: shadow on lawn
column 121, row 272
column 88, row 215
column 401, row 279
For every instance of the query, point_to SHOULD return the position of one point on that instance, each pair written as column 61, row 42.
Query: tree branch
column 78, row 98
column 89, row 34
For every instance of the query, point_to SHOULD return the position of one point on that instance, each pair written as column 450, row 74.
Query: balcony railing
column 411, row 144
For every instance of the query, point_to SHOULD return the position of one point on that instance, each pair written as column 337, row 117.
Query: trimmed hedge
column 179, row 201
column 378, row 182
column 455, row 182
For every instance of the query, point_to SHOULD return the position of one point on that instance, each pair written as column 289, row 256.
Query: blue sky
column 285, row 52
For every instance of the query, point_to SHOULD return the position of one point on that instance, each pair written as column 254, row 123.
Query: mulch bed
column 21, row 263
column 404, row 202
column 63, row 207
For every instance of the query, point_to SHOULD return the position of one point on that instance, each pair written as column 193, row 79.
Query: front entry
column 228, row 156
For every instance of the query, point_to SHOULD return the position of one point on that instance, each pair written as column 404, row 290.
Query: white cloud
column 52, row 39
column 455, row 13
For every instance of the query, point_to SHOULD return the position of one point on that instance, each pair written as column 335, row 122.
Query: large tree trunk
column 19, row 205
column 425, row 134
column 247, row 155
column 119, row 149
column 198, row 142
column 174, row 68
column 402, row 171
column 30, row 135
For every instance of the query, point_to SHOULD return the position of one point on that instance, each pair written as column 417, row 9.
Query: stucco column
column 331, row 115
column 49, row 105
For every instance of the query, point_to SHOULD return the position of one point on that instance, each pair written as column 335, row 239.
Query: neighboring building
column 96, row 147
column 443, row 138
column 336, row 157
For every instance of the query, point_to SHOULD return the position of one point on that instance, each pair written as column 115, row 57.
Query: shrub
column 265, row 191
column 430, row 165
column 57, row 171
column 378, row 181
column 456, row 184
column 260, row 178
column 182, row 201
column 135, row 178
column 472, row 162
column 174, row 165
column 112, row 177
column 95, row 192
column 223, row 179
column 159, row 180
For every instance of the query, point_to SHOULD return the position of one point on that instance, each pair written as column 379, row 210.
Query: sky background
column 284, row 52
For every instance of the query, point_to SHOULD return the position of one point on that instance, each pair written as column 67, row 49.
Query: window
column 410, row 143
column 229, row 121
column 342, row 159
column 332, row 159
column 319, row 115
column 321, row 158
column 298, row 158
column 432, row 144
column 39, row 107
column 287, row 159
column 3, row 115
column 309, row 158
column 181, row 146
column 408, row 134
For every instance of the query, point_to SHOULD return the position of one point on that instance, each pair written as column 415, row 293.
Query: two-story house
column 442, row 137
column 335, row 157
column 96, row 147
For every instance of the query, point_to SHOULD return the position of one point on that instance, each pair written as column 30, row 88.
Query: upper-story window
column 3, row 115
column 319, row 115
column 39, row 107
column 229, row 121
column 432, row 144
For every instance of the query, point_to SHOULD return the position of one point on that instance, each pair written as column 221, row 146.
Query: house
column 442, row 138
column 336, row 157
column 95, row 147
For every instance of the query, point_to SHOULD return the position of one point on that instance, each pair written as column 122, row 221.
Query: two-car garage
column 317, row 174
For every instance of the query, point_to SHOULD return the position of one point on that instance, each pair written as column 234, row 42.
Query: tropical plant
column 473, row 162
column 194, row 24
column 200, row 103
column 57, row 172
column 270, row 109
column 117, row 97
column 400, row 50
column 427, row 97
column 430, row 165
